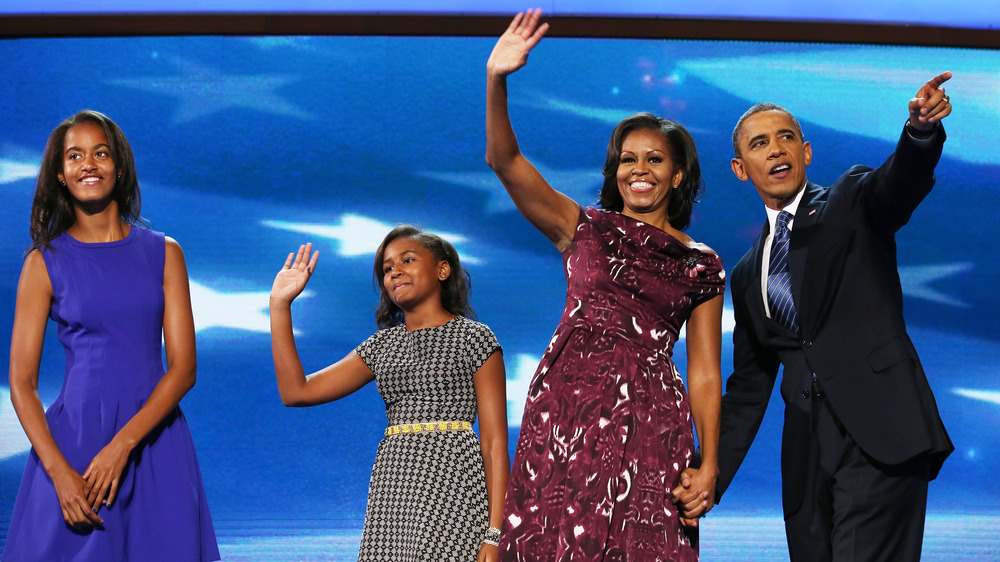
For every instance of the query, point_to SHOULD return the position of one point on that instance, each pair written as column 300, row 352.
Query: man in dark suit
column 819, row 294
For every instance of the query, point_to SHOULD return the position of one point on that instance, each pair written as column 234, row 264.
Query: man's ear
column 807, row 151
column 737, row 165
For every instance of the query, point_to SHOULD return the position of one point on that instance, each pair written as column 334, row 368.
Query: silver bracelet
column 492, row 536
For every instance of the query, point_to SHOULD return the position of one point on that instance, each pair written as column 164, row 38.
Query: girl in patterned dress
column 607, row 430
column 436, row 492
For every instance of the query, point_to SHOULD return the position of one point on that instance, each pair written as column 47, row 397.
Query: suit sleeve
column 748, row 391
column 890, row 193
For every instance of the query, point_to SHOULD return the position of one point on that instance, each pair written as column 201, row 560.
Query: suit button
column 805, row 394
column 807, row 344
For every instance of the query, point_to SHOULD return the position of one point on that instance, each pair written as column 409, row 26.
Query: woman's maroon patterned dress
column 607, row 423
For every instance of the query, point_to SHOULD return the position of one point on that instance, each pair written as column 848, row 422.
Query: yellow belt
column 425, row 427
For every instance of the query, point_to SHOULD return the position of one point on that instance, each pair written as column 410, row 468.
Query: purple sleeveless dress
column 108, row 308
column 607, row 423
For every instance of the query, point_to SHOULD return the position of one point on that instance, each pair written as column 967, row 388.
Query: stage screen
column 976, row 14
column 249, row 146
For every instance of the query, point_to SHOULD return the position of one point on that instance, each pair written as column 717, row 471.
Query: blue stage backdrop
column 248, row 146
column 973, row 14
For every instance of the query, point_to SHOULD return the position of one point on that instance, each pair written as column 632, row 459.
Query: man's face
column 773, row 156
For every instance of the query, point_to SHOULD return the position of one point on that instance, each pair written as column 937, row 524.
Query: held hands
column 695, row 494
column 104, row 474
column 71, row 489
column 930, row 104
column 292, row 278
column 511, row 50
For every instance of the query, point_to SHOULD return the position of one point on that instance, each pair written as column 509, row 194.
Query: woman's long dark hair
column 454, row 290
column 683, row 153
column 52, row 208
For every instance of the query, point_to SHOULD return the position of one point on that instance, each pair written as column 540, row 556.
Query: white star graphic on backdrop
column 991, row 396
column 521, row 369
column 272, row 42
column 357, row 235
column 579, row 185
column 307, row 45
column 916, row 281
column 12, row 170
column 13, row 441
column 609, row 115
column 238, row 311
column 203, row 91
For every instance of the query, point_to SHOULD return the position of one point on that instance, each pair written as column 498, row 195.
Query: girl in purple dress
column 607, row 433
column 112, row 473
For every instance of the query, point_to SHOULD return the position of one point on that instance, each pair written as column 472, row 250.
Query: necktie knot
column 782, row 223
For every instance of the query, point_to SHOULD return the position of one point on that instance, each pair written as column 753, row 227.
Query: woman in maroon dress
column 607, row 429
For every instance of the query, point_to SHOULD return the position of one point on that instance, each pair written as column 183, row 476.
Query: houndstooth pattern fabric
column 427, row 498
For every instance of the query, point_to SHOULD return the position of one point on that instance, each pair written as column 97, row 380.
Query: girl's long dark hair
column 454, row 290
column 52, row 208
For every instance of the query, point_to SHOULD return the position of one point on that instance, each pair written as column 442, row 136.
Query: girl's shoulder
column 470, row 325
column 381, row 337
column 479, row 335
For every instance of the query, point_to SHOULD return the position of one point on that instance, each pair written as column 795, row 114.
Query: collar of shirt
column 772, row 218
column 772, row 214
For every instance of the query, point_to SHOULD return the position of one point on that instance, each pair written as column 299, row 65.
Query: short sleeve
column 705, row 274
column 370, row 349
column 482, row 344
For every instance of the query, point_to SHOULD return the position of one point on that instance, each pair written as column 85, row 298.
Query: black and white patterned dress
column 427, row 497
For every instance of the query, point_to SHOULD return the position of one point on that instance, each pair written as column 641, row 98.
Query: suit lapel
column 806, row 218
column 754, row 294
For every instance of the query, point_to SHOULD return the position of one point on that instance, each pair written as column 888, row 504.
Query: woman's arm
column 296, row 389
column 551, row 212
column 34, row 299
column 704, row 375
column 491, row 399
column 105, row 470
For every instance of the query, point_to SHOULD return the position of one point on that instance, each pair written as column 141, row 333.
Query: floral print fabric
column 607, row 423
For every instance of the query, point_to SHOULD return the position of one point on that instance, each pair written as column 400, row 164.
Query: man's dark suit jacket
column 845, row 282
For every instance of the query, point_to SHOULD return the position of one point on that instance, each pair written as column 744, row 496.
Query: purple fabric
column 607, row 423
column 108, row 308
